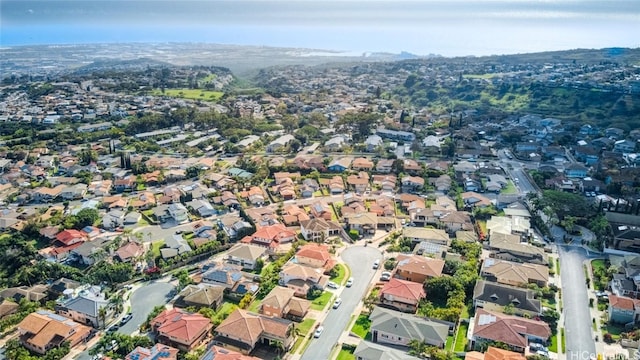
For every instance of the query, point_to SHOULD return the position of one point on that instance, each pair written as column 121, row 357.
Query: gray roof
column 89, row 305
column 372, row 351
column 503, row 295
column 408, row 326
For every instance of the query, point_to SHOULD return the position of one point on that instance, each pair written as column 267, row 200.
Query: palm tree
column 102, row 317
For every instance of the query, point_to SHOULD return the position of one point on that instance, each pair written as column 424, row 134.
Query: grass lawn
column 194, row 94
column 321, row 301
column 318, row 193
column 296, row 344
column 510, row 189
column 305, row 326
column 483, row 226
column 155, row 248
column 598, row 265
column 614, row 330
column 224, row 311
column 461, row 337
column 564, row 341
column 342, row 273
column 345, row 355
column 362, row 327
column 553, row 346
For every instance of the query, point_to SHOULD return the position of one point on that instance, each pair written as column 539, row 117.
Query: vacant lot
column 194, row 94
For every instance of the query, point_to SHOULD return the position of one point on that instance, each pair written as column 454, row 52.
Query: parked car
column 386, row 276
column 336, row 304
column 113, row 329
column 126, row 319
column 376, row 264
column 349, row 282
column 332, row 285
column 318, row 332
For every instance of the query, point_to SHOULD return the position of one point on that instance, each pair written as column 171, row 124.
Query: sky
column 444, row 27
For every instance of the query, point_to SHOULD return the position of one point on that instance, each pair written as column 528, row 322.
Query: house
column 279, row 143
column 180, row 329
column 73, row 192
column 385, row 182
column 623, row 310
column 510, row 247
column 514, row 331
column 624, row 146
column 402, row 295
column 494, row 353
column 113, row 219
column 179, row 213
column 315, row 256
column 247, row 141
column 589, row 155
column 302, row 278
column 220, row 353
column 281, row 302
column 473, row 199
column 340, row 165
column 371, row 351
column 396, row 328
column 124, row 184
column 335, row 143
column 575, row 170
column 385, row 166
column 362, row 164
column 242, row 331
column 412, row 183
column 87, row 307
column 174, row 245
column 335, row 184
column 156, row 352
column 456, row 221
column 442, row 183
column 495, row 297
column 362, row 222
column 411, row 166
column 395, row 135
column 130, row 251
column 418, row 234
column 359, row 183
column 373, row 142
column 202, row 207
column 200, row 296
column 43, row 330
column 32, row 293
column 516, row 274
column 293, row 214
column 318, row 229
column 45, row 194
column 70, row 237
column 246, row 255
column 418, row 269
column 271, row 236
column 225, row 275
column 8, row 308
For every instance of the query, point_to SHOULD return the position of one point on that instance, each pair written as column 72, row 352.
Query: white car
column 349, row 282
column 376, row 264
column 332, row 285
column 336, row 304
column 318, row 332
column 386, row 276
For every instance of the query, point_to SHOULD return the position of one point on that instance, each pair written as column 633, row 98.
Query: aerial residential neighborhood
column 320, row 219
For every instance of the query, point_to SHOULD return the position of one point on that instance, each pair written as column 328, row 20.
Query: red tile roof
column 67, row 236
column 511, row 330
column 182, row 325
column 403, row 289
column 622, row 302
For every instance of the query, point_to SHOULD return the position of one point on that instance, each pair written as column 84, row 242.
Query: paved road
column 143, row 300
column 578, row 331
column 360, row 260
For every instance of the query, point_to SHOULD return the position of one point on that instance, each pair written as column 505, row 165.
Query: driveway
column 577, row 323
column 360, row 259
column 143, row 300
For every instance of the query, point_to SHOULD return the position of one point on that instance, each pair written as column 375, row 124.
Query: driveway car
column 386, row 276
column 332, row 285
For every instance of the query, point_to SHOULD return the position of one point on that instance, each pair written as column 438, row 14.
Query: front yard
column 342, row 271
column 461, row 337
column 321, row 301
column 362, row 327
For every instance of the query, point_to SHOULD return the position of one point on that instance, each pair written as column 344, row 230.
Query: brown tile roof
column 420, row 265
column 46, row 327
column 249, row 327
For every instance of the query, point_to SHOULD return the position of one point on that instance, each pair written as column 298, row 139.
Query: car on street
column 332, row 285
column 126, row 319
column 318, row 332
column 349, row 282
column 336, row 304
column 113, row 329
column 376, row 264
